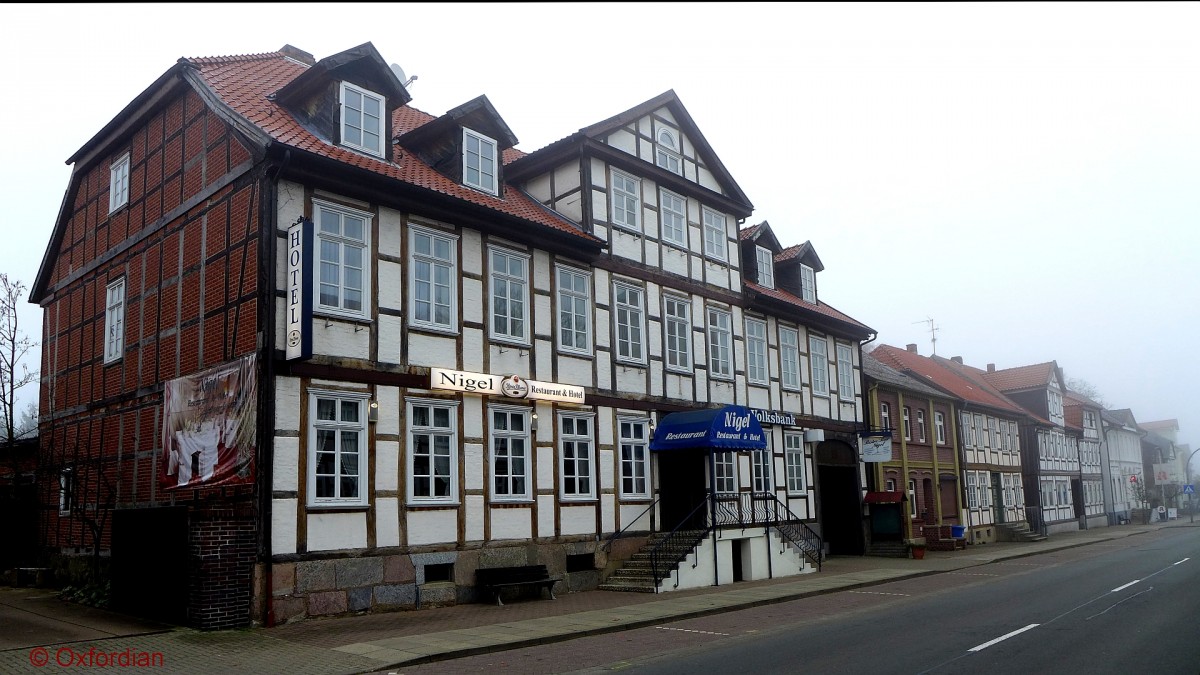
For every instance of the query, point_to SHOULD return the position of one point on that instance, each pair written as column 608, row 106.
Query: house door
column 997, row 498
column 681, row 488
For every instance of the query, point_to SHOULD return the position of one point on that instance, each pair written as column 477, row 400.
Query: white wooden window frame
column 756, row 352
column 672, row 215
column 510, row 444
column 118, row 183
column 921, row 425
column 351, row 269
column 114, row 321
column 677, row 329
column 633, row 446
column 793, row 448
column 766, row 266
column 579, row 466
column 885, row 415
column 481, row 157
column 433, row 260
column 939, row 423
column 667, row 154
column 625, row 201
column 906, row 416
column 339, row 425
column 432, row 431
column 348, row 128
column 716, row 234
column 720, row 343
column 818, row 357
column 725, row 482
column 808, row 284
column 845, row 370
column 789, row 359
column 513, row 289
column 629, row 323
column 579, row 298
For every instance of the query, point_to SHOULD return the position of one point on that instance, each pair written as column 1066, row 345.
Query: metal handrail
column 676, row 541
column 794, row 530
column 612, row 538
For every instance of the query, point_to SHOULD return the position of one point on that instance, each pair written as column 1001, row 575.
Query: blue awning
column 730, row 428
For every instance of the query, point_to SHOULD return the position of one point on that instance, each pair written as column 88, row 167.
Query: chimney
column 298, row 54
column 956, row 359
column 991, row 367
column 912, row 347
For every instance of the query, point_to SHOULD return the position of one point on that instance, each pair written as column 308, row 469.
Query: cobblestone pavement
column 368, row 643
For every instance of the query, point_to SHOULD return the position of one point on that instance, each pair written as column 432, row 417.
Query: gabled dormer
column 759, row 247
column 796, row 271
column 347, row 100
column 465, row 145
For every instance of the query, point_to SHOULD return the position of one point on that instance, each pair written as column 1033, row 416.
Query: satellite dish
column 399, row 73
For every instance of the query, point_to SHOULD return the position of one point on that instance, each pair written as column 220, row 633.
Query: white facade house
column 1124, row 469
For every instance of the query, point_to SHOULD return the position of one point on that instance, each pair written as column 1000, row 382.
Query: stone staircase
column 637, row 574
column 888, row 549
column 1018, row 532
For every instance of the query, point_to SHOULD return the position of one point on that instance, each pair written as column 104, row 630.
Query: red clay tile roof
column 1022, row 377
column 953, row 377
column 748, row 232
column 245, row 82
column 789, row 252
column 819, row 308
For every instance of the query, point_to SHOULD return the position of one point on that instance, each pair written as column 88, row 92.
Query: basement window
column 581, row 562
column 439, row 572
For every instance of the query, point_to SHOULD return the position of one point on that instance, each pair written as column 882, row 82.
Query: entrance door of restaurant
column 681, row 488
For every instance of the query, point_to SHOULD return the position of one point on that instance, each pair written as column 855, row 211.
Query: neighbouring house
column 1180, row 471
column 1124, row 474
column 1082, row 416
column 1049, row 456
column 922, row 476
column 336, row 353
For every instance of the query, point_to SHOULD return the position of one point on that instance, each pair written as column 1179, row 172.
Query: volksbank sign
column 786, row 419
column 512, row 386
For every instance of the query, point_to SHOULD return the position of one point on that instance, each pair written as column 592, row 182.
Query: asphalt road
column 1127, row 606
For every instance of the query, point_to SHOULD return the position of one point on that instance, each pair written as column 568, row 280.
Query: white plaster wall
column 604, row 379
column 387, row 470
column 473, row 462
column 432, row 350
column 623, row 139
column 539, row 188
column 541, row 271
column 572, row 370
column 604, row 462
column 543, row 355
column 708, row 180
column 675, row 260
column 285, row 473
column 631, row 379
column 389, row 410
column 472, row 293
column 545, row 515
column 508, row 359
column 334, row 337
column 283, row 526
column 471, row 249
column 390, row 231
column 545, row 457
column 474, row 505
column 390, row 330
column 336, row 531
column 511, row 524
column 391, row 284
column 472, row 350
column 432, row 527
column 577, row 519
column 656, row 378
column 626, row 244
column 608, row 511
column 287, row 403
column 387, row 521
column 635, row 517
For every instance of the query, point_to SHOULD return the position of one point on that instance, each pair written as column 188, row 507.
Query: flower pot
column 918, row 552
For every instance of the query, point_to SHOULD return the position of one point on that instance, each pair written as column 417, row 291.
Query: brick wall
column 223, row 542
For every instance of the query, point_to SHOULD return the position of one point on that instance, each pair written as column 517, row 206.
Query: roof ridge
column 236, row 58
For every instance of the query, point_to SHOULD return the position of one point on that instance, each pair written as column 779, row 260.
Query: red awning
column 884, row 497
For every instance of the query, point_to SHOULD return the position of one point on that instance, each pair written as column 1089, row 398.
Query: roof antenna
column 404, row 79
column 933, row 329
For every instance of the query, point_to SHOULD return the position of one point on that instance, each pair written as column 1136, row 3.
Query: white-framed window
column 760, row 469
column 677, row 324
column 667, row 154
column 845, row 369
column 118, row 183
column 818, row 356
column 972, row 495
column 939, row 423
column 715, row 235
column 808, row 284
column 968, row 430
column 630, row 315
column 921, row 425
column 114, row 321
column 672, row 216
column 994, row 427
column 913, row 509
column 985, row 489
column 726, row 476
column 66, row 491
column 480, row 159
column 635, row 457
column 756, row 351
column 362, row 119
column 890, row 485
column 793, row 450
column 789, row 358
column 907, row 423
column 576, row 466
column 510, row 296
column 720, row 343
column 434, row 280
column 511, row 457
column 626, row 200
column 337, row 448
column 766, row 266
column 343, row 277
column 432, row 448
column 985, row 440
column 885, row 416
column 574, row 310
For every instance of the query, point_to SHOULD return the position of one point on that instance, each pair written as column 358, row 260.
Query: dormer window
column 667, row 155
column 766, row 267
column 808, row 284
column 479, row 162
column 362, row 119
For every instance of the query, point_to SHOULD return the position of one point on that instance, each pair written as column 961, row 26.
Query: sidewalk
column 377, row 641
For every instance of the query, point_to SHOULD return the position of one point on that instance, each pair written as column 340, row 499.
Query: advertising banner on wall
column 210, row 425
column 875, row 446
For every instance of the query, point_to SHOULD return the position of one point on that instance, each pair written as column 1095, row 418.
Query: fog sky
column 1023, row 174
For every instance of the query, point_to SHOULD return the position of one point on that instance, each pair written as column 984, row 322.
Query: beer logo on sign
column 514, row 387
column 294, row 338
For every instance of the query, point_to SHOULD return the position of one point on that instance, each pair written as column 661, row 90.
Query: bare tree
column 14, row 373
column 1082, row 386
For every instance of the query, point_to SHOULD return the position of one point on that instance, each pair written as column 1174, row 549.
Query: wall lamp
column 373, row 411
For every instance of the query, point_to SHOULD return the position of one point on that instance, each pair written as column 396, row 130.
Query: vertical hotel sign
column 298, row 333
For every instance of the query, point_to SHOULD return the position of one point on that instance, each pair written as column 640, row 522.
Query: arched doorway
column 839, row 498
